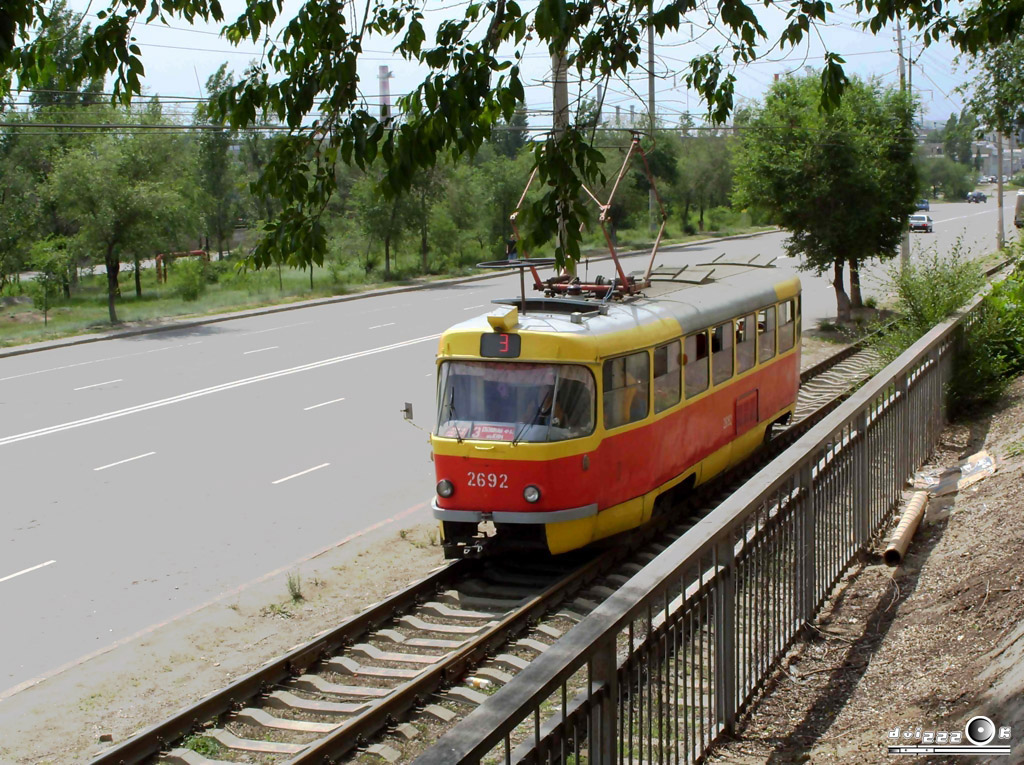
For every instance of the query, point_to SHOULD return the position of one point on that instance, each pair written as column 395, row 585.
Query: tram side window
column 695, row 368
column 746, row 343
column 721, row 352
column 626, row 388
column 667, row 373
column 787, row 326
column 766, row 333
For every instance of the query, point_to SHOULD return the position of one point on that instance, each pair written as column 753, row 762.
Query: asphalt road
column 144, row 476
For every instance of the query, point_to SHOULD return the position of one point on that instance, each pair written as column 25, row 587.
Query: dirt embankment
column 925, row 646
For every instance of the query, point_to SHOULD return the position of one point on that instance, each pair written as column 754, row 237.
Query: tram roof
column 731, row 290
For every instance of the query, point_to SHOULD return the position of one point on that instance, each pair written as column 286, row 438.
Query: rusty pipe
column 909, row 521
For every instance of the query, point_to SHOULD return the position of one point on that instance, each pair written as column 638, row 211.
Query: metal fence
column 666, row 664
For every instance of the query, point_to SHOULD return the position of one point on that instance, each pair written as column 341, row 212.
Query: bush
column 981, row 371
column 926, row 294
column 992, row 350
column 189, row 279
column 216, row 269
column 723, row 219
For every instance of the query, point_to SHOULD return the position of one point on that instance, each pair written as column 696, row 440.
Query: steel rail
column 409, row 696
column 150, row 741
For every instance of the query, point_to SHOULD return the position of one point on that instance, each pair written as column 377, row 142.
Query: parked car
column 921, row 223
column 976, row 196
column 922, row 204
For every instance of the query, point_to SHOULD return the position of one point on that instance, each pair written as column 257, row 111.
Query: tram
column 569, row 418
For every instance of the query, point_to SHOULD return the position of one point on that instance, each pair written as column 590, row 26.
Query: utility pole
column 652, row 201
column 560, row 123
column 999, row 189
column 905, row 241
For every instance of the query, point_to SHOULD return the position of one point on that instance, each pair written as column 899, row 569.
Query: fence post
column 861, row 465
column 904, row 431
column 725, row 636
column 604, row 740
column 808, row 579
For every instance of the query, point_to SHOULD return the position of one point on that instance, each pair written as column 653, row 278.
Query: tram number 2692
column 488, row 480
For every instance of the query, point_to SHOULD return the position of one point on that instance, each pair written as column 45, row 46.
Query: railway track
column 385, row 683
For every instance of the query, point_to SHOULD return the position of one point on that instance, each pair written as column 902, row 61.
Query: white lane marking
column 296, row 475
column 389, row 324
column 274, row 329
column 260, row 350
column 121, row 462
column 474, row 306
column 959, row 217
column 27, row 570
column 207, row 391
column 97, row 361
column 317, row 406
column 96, row 385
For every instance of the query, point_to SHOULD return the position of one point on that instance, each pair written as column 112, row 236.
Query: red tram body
column 566, row 423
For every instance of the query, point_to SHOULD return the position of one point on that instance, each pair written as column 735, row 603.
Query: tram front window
column 493, row 401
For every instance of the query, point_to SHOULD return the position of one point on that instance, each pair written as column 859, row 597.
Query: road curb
column 173, row 324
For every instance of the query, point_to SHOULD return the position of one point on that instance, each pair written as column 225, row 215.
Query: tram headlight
column 445, row 488
column 531, row 494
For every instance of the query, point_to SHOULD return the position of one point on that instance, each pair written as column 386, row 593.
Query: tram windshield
column 494, row 401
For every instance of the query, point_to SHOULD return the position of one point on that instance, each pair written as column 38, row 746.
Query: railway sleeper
column 443, row 629
column 532, row 644
column 181, row 756
column 504, row 590
column 535, row 581
column 395, row 636
column 492, row 674
column 343, row 665
column 261, row 719
column 385, row 752
column 229, row 740
column 456, row 598
column 373, row 652
column 317, row 684
column 462, row 695
column 439, row 713
column 289, row 701
column 551, row 632
column 446, row 611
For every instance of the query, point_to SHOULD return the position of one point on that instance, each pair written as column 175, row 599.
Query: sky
column 179, row 58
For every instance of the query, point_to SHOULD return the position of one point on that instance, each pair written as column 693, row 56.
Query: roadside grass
column 229, row 287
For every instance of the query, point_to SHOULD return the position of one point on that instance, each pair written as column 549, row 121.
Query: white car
column 921, row 223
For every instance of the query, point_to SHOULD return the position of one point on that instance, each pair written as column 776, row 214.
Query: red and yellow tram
column 565, row 423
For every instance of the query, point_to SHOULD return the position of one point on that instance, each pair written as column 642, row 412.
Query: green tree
column 309, row 80
column 59, row 85
column 997, row 90
column 842, row 183
column 705, row 174
column 121, row 194
column 50, row 259
column 215, row 165
column 18, row 213
column 958, row 137
column 943, row 174
column 509, row 136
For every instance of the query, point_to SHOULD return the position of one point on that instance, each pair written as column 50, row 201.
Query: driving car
column 921, row 223
column 922, row 204
column 976, row 196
